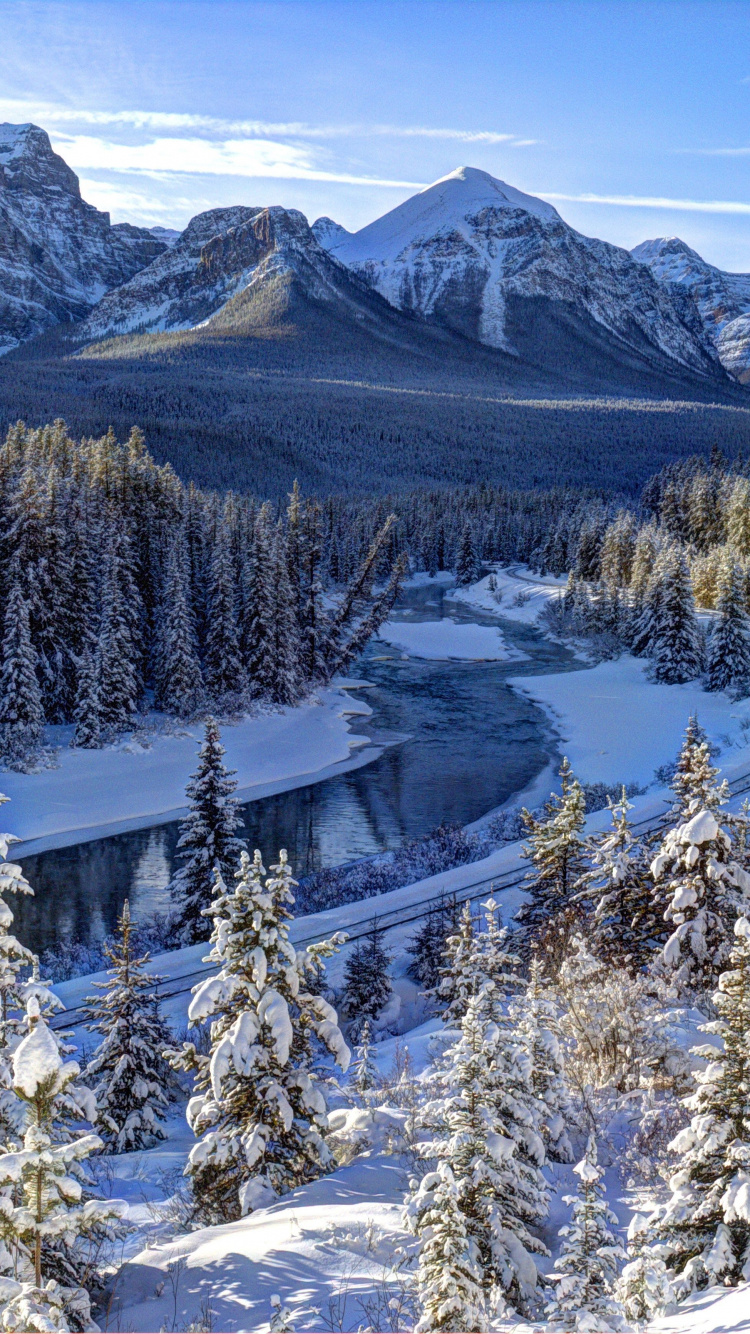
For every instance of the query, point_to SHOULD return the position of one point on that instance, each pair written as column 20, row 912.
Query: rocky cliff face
column 721, row 299
column 58, row 254
column 224, row 254
column 461, row 250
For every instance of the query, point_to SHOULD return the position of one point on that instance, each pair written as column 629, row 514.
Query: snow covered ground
column 519, row 595
column 135, row 784
column 448, row 639
column 617, row 726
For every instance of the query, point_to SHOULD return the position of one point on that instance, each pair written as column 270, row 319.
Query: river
column 458, row 742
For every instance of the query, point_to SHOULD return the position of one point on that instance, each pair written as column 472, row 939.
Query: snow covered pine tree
column 483, row 1129
column 556, row 851
column 703, row 1233
column 128, row 1072
column 44, row 1204
column 367, row 983
column 586, row 1270
column 207, row 840
column 258, row 1114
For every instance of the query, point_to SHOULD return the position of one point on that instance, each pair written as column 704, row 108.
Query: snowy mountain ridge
column 721, row 299
column 460, row 249
column 58, row 254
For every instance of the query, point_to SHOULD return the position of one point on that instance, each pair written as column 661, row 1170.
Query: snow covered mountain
column 58, row 254
column 463, row 252
column 721, row 299
column 232, row 269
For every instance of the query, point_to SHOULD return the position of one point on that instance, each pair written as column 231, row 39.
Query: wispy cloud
column 52, row 114
column 654, row 201
column 205, row 157
column 719, row 152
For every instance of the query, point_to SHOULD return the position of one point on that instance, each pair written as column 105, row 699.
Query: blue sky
column 633, row 117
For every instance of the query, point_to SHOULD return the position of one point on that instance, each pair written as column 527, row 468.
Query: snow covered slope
column 58, row 254
column 721, row 299
column 460, row 251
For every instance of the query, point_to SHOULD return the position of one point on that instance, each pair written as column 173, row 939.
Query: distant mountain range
column 468, row 298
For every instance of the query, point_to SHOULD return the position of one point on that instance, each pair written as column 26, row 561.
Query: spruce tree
column 365, row 1077
column 694, row 779
column 456, row 977
column 21, row 713
column 284, row 683
column 449, row 1277
column 117, row 651
column 468, row 568
column 429, row 943
column 586, row 1270
column 179, row 686
column 87, row 713
column 537, row 1025
column 479, row 1127
column 223, row 669
column 628, row 912
column 367, row 982
column 128, row 1072
column 207, row 839
column 676, row 645
column 728, row 655
column 258, row 1114
column 45, row 1206
column 703, row 1233
column 701, row 882
column 556, row 851
column 643, row 1288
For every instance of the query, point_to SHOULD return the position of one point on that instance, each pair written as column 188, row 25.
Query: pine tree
column 643, row 1288
column 365, row 1075
column 556, row 851
column 728, row 657
column 259, row 1114
column 429, row 943
column 676, row 646
column 224, row 672
column 694, row 780
column 284, row 683
column 628, row 912
column 703, row 1233
column 179, row 678
column 117, row 652
column 128, row 1072
column 449, row 1277
column 468, row 568
column 485, row 1132
column 207, row 839
column 45, row 1205
column 702, row 883
column 367, row 983
column 456, row 981
column 21, row 713
column 586, row 1270
column 537, row 1026
column 87, row 713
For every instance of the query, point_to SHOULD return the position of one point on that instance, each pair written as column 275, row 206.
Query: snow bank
column 715, row 1311
column 131, row 786
column 519, row 595
column 330, row 1241
column 448, row 639
column 616, row 726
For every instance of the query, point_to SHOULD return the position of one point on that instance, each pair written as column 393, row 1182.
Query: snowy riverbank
column 133, row 785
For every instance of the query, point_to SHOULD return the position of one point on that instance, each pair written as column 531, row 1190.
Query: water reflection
column 472, row 742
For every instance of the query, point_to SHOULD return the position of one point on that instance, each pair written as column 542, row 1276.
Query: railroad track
column 385, row 921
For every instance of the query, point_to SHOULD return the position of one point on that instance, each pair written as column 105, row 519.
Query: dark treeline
column 123, row 587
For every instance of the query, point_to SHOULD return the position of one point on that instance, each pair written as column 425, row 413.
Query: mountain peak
column 478, row 189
